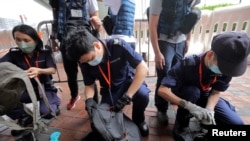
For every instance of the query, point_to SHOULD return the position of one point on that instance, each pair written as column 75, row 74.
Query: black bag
column 113, row 125
column 108, row 24
column 79, row 24
column 190, row 20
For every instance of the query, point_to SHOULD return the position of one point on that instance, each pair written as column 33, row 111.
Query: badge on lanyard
column 76, row 13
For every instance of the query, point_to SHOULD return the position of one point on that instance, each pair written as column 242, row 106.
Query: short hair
column 30, row 31
column 78, row 42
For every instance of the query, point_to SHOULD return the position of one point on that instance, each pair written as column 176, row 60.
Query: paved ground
column 74, row 124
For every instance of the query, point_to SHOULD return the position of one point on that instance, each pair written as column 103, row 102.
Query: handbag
column 113, row 126
column 190, row 20
column 108, row 24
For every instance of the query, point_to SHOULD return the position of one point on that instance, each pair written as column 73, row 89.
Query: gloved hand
column 89, row 104
column 203, row 114
column 124, row 100
column 210, row 118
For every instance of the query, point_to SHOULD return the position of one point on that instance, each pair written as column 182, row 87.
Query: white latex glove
column 210, row 118
column 202, row 114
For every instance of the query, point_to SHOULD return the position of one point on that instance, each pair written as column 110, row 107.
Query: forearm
column 153, row 22
column 96, row 21
column 213, row 99
column 167, row 94
column 49, row 70
column 139, row 77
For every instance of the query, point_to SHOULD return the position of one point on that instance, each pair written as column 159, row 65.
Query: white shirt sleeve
column 114, row 5
column 92, row 6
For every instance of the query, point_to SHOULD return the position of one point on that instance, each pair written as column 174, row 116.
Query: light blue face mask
column 26, row 47
column 215, row 69
column 96, row 61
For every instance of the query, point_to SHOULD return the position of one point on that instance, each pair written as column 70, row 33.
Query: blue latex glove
column 55, row 136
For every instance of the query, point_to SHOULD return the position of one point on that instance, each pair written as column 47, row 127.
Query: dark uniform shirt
column 43, row 58
column 121, row 55
column 189, row 72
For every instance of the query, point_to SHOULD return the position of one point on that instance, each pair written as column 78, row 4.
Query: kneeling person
column 109, row 61
column 196, row 82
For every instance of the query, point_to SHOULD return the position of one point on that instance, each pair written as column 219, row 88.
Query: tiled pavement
column 74, row 124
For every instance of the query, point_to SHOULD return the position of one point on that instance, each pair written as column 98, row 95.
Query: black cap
column 232, row 50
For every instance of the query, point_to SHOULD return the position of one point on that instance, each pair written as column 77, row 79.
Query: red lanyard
column 107, row 78
column 207, row 86
column 28, row 63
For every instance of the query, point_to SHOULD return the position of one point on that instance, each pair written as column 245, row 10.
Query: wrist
column 183, row 103
column 128, row 96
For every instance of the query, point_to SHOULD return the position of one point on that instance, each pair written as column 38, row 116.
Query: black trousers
column 71, row 70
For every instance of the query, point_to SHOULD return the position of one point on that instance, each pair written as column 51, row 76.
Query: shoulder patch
column 14, row 49
column 190, row 61
column 117, row 41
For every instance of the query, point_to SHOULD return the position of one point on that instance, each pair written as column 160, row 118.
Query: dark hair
column 26, row 29
column 79, row 41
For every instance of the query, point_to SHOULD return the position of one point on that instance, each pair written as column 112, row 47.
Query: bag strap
column 45, row 99
column 16, row 72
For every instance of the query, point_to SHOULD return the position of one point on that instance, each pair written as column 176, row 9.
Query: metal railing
column 232, row 18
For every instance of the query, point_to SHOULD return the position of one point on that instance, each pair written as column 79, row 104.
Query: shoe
column 201, row 137
column 26, row 137
column 162, row 117
column 181, row 133
column 143, row 127
column 72, row 102
column 23, row 122
column 50, row 116
column 58, row 111
column 17, row 133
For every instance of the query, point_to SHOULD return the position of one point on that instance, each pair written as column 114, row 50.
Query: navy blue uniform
column 44, row 60
column 191, row 80
column 121, row 56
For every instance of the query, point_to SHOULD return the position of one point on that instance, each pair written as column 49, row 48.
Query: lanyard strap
column 107, row 78
column 36, row 63
column 207, row 86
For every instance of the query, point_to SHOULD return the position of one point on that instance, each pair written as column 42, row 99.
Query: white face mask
column 96, row 61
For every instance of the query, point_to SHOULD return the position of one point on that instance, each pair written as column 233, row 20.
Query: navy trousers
column 54, row 101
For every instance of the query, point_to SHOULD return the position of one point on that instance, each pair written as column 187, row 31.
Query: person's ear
column 210, row 54
column 97, row 45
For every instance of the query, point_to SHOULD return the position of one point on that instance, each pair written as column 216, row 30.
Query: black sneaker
column 143, row 127
column 162, row 117
column 181, row 133
column 50, row 116
column 23, row 122
column 26, row 137
column 17, row 133
column 201, row 137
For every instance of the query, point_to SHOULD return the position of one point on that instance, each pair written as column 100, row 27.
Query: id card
column 76, row 13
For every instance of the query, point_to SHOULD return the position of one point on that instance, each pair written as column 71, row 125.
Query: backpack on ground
column 113, row 125
column 13, row 82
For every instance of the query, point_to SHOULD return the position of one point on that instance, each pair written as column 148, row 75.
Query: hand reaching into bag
column 124, row 100
column 202, row 114
column 89, row 104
